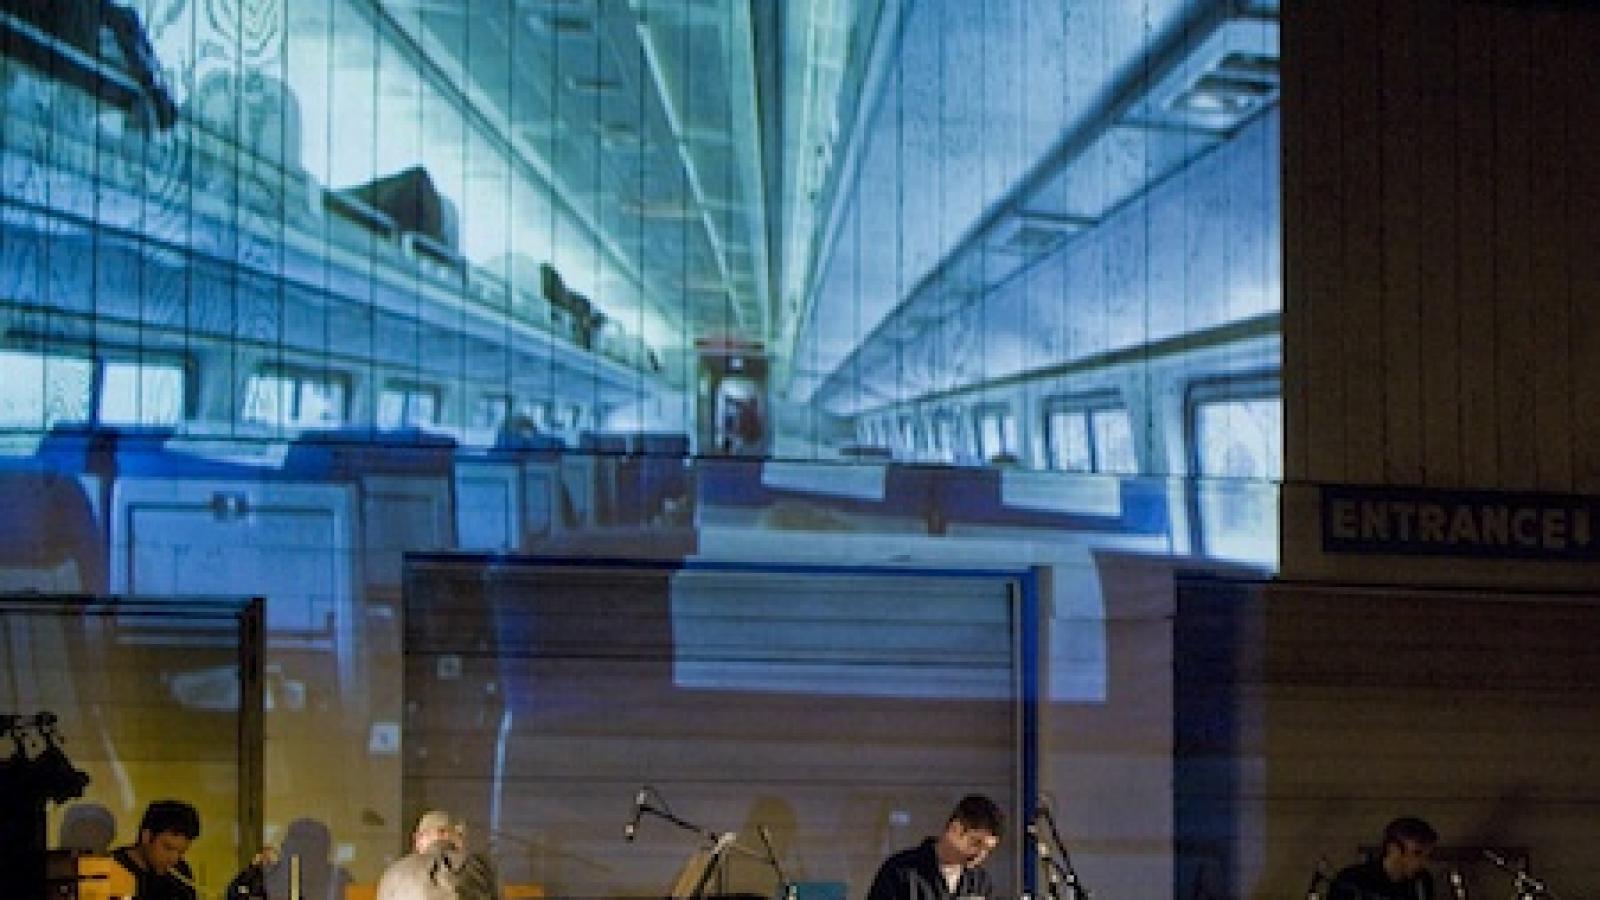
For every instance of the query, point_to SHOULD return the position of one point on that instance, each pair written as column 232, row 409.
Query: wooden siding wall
column 1441, row 252
column 1307, row 717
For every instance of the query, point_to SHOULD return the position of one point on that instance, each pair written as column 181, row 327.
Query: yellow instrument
column 83, row 876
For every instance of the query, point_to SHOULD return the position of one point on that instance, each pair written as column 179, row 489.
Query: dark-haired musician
column 947, row 866
column 156, row 858
column 1398, row 871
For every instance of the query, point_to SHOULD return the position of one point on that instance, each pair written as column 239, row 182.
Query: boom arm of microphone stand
column 720, row 841
column 667, row 816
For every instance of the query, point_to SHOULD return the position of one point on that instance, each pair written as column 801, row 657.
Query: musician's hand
column 265, row 857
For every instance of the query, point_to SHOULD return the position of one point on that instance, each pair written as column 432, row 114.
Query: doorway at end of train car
column 732, row 406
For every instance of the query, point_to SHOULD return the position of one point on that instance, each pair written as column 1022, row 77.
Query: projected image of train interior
column 328, row 301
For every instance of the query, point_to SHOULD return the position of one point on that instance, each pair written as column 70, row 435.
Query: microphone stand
column 1526, row 886
column 667, row 815
column 720, row 844
column 786, row 886
column 1059, row 863
column 1052, row 875
column 1319, row 877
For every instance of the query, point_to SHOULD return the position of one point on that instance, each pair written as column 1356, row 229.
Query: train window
column 39, row 390
column 1066, row 433
column 878, row 433
column 1113, row 441
column 923, row 430
column 1240, row 438
column 1090, row 433
column 997, row 431
column 1236, row 440
column 867, row 433
column 405, row 405
column 139, row 393
column 291, row 398
column 946, row 435
column 542, row 413
column 491, row 411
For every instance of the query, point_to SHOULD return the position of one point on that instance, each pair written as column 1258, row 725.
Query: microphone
column 632, row 828
column 1041, row 842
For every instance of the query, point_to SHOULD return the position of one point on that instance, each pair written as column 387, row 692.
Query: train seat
column 407, row 482
column 52, row 541
column 589, row 477
column 655, row 471
column 349, row 453
column 843, row 497
column 1050, row 501
column 512, row 492
column 530, row 442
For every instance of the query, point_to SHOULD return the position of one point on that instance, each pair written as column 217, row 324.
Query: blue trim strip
column 1028, row 634
column 609, row 562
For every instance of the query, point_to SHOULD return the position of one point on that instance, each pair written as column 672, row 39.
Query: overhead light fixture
column 621, row 136
column 1224, row 79
column 646, row 209
column 1253, row 66
column 1031, row 234
column 1223, row 94
column 590, row 84
column 705, row 284
column 562, row 24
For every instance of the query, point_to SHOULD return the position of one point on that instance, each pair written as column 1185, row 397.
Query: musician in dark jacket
column 947, row 866
column 156, row 858
column 1398, row 871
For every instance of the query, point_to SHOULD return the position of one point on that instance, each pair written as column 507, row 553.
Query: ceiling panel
column 640, row 111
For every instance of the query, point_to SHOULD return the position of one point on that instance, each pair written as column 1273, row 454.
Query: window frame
column 99, row 359
column 1265, row 384
column 1006, row 412
column 188, row 391
column 1085, row 405
column 299, row 376
column 410, row 390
